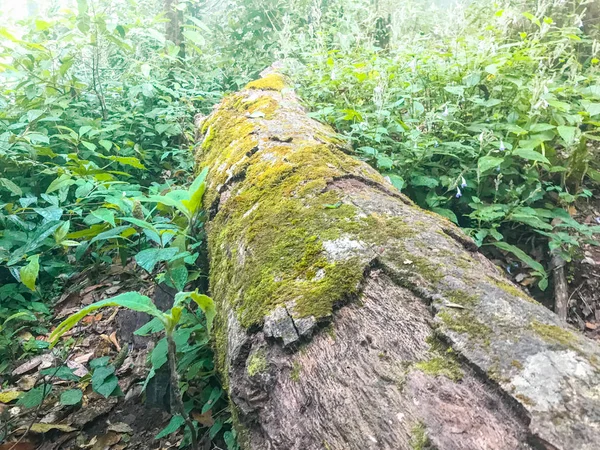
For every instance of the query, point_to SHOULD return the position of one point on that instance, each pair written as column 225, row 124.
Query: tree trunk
column 350, row 319
column 173, row 31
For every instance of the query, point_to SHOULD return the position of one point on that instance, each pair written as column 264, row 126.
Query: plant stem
column 176, row 393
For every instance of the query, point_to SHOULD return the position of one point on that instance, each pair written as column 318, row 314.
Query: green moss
column 442, row 361
column 418, row 437
column 516, row 364
column 278, row 218
column 510, row 289
column 553, row 333
column 461, row 297
column 464, row 321
column 295, row 372
column 439, row 366
column 271, row 82
column 257, row 363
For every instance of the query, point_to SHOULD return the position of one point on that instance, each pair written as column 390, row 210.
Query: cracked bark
column 434, row 342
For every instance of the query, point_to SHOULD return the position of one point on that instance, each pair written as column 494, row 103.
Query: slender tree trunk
column 350, row 319
column 173, row 27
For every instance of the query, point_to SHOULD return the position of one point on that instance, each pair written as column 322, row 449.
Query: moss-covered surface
column 553, row 333
column 295, row 372
column 442, row 361
column 257, row 363
column 280, row 216
column 418, row 437
column 272, row 82
column 464, row 321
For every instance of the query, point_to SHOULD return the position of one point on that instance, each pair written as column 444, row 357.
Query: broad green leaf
column 71, row 397
column 215, row 394
column 196, row 191
column 12, row 187
column 29, row 273
column 567, row 133
column 195, row 37
column 61, row 232
column 204, row 302
column 175, row 423
column 35, row 396
column 154, row 326
column 105, row 143
column 131, row 300
column 524, row 257
column 148, row 258
column 486, row 163
column 84, row 129
column 105, row 215
column 62, row 181
column 531, row 155
column 159, row 357
column 62, row 373
column 110, row 234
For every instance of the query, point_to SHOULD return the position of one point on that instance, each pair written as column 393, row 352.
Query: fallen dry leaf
column 45, row 427
column 78, row 369
column 9, row 396
column 109, row 439
column 26, row 382
column 92, row 318
column 204, row 419
column 120, row 427
column 82, row 359
column 41, row 361
column 588, row 325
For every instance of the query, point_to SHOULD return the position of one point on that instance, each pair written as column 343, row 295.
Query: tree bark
column 350, row 319
column 173, row 30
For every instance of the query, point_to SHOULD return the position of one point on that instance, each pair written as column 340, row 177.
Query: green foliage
column 490, row 124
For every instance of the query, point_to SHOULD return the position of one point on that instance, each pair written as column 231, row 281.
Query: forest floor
column 117, row 423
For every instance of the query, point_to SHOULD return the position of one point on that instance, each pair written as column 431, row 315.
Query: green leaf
column 99, row 362
column 59, row 183
column 196, row 191
column 148, row 258
column 12, row 187
column 71, row 397
column 531, row 155
column 486, row 163
column 90, row 146
column 106, row 144
column 61, row 232
column 110, row 234
column 62, row 372
column 195, row 37
column 108, row 386
column 154, row 326
column 35, row 396
column 30, row 272
column 84, row 129
column 567, row 133
column 524, row 257
column 131, row 300
column 215, row 394
column 105, row 215
column 449, row 214
column 159, row 357
column 174, row 425
column 204, row 302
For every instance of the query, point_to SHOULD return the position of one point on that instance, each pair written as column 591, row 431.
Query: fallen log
column 349, row 318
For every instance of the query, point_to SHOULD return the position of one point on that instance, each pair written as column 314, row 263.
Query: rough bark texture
column 351, row 319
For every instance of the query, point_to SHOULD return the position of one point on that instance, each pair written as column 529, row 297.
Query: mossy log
column 350, row 319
